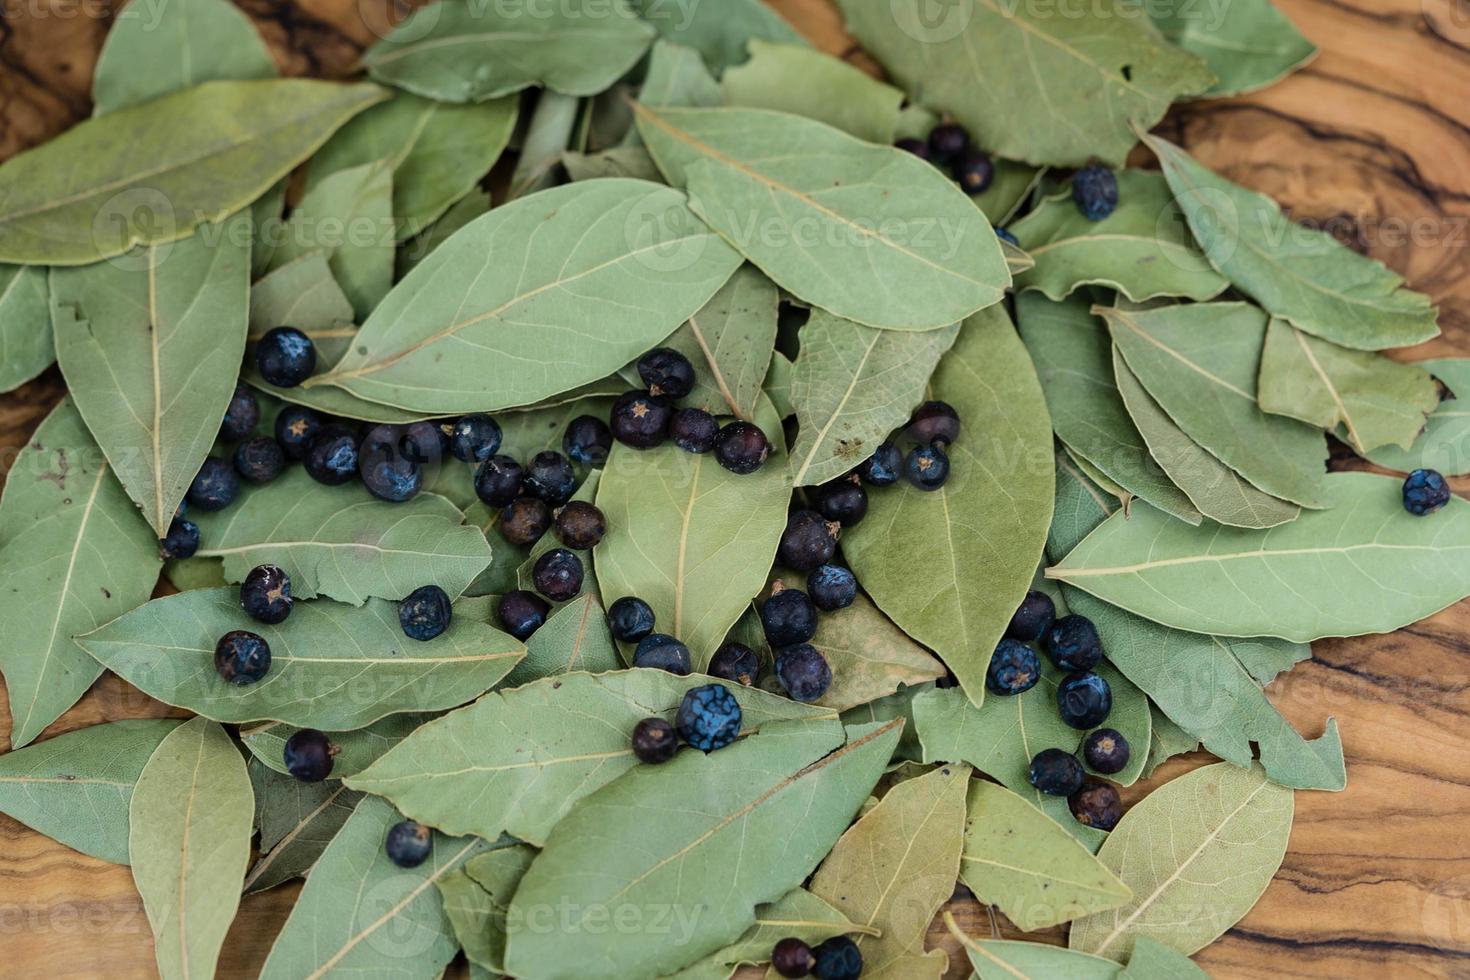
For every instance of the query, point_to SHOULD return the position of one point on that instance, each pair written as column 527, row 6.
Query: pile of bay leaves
column 1146, row 403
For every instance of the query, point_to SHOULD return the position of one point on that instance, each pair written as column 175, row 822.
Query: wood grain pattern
column 1370, row 141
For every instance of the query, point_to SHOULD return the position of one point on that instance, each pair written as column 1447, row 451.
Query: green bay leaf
column 1100, row 71
column 1248, row 44
column 1297, row 273
column 26, row 346
column 1166, row 740
column 1152, row 960
column 471, row 911
column 1377, row 402
column 756, row 816
column 1445, row 445
column 451, row 337
column 357, row 749
column 676, row 76
column 620, row 161
column 719, row 33
column 75, row 788
column 844, row 225
column 950, row 567
column 851, row 386
column 574, row 638
column 333, row 666
column 189, row 840
column 1200, row 362
column 149, row 174
column 460, row 213
column 805, row 82
column 457, row 52
column 730, row 342
column 798, row 913
column 1197, row 853
column 297, row 821
column 75, row 554
column 546, row 754
column 343, row 544
column 1008, row 959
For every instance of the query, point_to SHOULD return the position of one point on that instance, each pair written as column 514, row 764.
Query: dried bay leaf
column 1366, row 566
column 196, row 156
column 150, row 346
column 75, row 788
column 471, row 912
column 75, row 554
column 719, row 33
column 497, row 873
column 1074, row 364
column 1445, row 445
column 805, row 82
column 1143, row 249
column 556, row 740
column 798, row 913
column 950, row 567
column 460, row 213
column 574, row 638
column 1166, row 740
column 1197, row 852
column 1297, row 273
column 341, row 543
column 357, row 749
column 1152, row 960
column 1248, row 44
column 333, row 666
column 804, row 202
column 1100, row 72
column 755, row 818
column 620, row 161
column 26, row 347
column 189, row 841
column 1008, row 959
column 676, row 76
column 437, row 151
column 851, row 386
column 586, row 258
column 1378, row 402
column 1200, row 363
column 297, row 822
column 895, row 867
column 457, row 52
column 1019, row 859
column 730, row 342
column 1009, row 188
column 1217, row 491
column 359, row 911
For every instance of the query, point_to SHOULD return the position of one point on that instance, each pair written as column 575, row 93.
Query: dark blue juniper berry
column 654, row 741
column 182, row 540
column 259, row 460
column 386, row 472
column 1095, row 189
column 917, row 147
column 1096, row 805
column 1055, row 773
column 580, row 525
column 1073, row 643
column 947, row 142
column 708, row 718
column 741, row 447
column 842, row 500
column 308, row 755
column 1106, row 751
column 425, row 613
column 734, row 662
column 831, row 587
column 550, row 477
column 265, row 595
column 524, row 520
column 661, row 651
column 1005, row 236
column 838, row 958
column 1032, row 618
column 408, row 843
column 694, row 430
column 1014, row 668
column 522, row 613
column 423, row 442
column 882, row 468
column 215, row 486
column 808, row 541
column 242, row 657
column 934, row 423
column 1084, row 699
column 927, row 467
column 630, row 619
column 296, row 427
column 474, row 438
column 666, row 372
column 974, row 171
column 587, row 440
column 498, row 480
column 332, row 458
column 803, row 672
column 788, row 617
column 242, row 415
column 557, row 575
column 640, row 420
column 286, row 357
column 1425, row 491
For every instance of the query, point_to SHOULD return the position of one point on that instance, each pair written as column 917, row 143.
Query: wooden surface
column 1372, row 139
